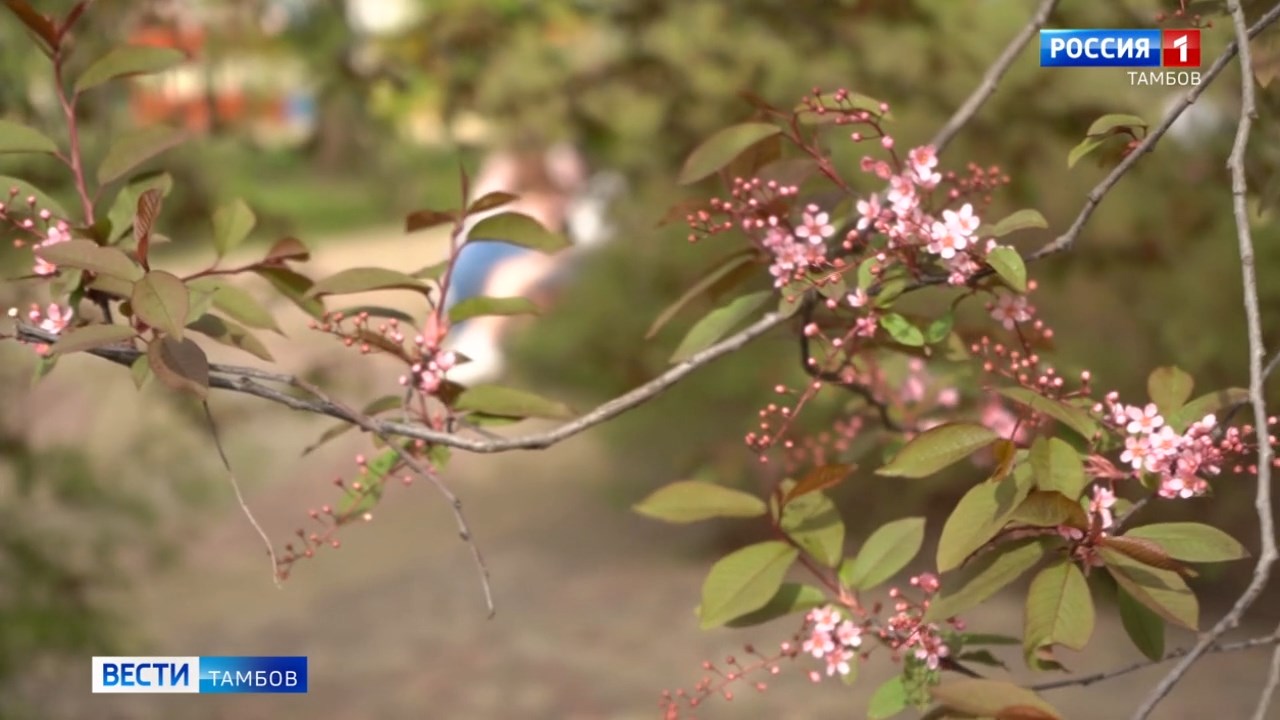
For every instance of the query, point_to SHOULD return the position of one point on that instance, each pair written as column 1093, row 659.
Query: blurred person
column 554, row 188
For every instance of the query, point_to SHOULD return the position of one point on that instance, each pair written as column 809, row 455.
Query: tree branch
column 992, row 77
column 1269, row 689
column 455, row 505
column 1257, row 353
column 1086, row 680
column 251, row 381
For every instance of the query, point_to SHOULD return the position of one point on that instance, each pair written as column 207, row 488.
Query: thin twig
column 1257, row 353
column 235, row 486
column 250, row 382
column 991, row 79
column 1086, row 680
column 455, row 504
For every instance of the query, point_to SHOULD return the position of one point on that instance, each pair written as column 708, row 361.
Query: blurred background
column 333, row 119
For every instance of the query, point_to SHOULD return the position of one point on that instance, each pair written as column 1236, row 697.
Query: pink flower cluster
column 901, row 217
column 53, row 319
column 906, row 630
column 832, row 637
column 1179, row 459
column 48, row 231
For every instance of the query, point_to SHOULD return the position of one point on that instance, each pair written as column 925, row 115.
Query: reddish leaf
column 423, row 219
column 287, row 248
column 135, row 148
column 143, row 220
column 490, row 201
column 1144, row 551
column 42, row 26
column 180, row 364
column 817, row 479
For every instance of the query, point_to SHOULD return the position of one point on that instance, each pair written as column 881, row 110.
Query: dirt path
column 595, row 605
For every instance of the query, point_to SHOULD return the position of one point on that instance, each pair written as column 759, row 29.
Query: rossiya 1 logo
column 1176, row 52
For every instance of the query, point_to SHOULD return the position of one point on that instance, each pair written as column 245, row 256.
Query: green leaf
column 1009, row 266
column 180, row 364
column 1144, row 627
column 721, row 148
column 814, row 523
column 790, row 598
column 1020, row 220
column 366, row 279
column 1162, row 591
column 88, row 255
column 886, row 552
column 162, row 301
column 1069, row 415
column 1207, row 404
column 230, row 334
column 1192, row 542
column 722, row 269
column 936, row 448
column 518, row 229
column 939, row 329
column 744, row 581
column 888, row 700
column 1169, row 388
column 691, row 500
column 18, row 138
column 1050, row 509
column 510, row 402
column 295, row 287
column 901, row 330
column 237, row 304
column 979, row 515
column 90, row 337
column 478, row 306
column 1059, row 607
column 372, row 483
column 1058, row 467
column 993, row 699
column 135, row 148
column 232, row 224
column 1106, row 124
column 707, row 331
column 490, row 201
column 25, row 190
column 1083, row 149
column 140, row 371
column 128, row 60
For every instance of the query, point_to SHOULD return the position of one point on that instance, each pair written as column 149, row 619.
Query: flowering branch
column 368, row 424
column 250, row 381
column 1266, row 516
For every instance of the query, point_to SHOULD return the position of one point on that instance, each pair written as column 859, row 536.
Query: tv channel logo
column 1120, row 48
column 204, row 674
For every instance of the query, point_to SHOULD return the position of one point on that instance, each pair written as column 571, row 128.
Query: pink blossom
column 825, row 619
column 838, row 661
column 1103, row 500
column 816, row 226
column 1010, row 309
column 945, row 242
column 1143, row 420
column 1137, row 451
column 819, row 643
column 849, row 635
column 868, row 212
column 963, row 222
column 58, row 233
